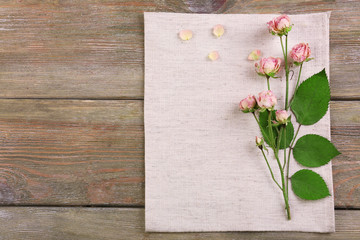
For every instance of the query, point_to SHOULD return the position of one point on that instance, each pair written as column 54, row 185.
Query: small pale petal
column 214, row 55
column 218, row 30
column 254, row 55
column 185, row 35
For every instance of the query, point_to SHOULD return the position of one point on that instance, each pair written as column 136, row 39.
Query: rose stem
column 287, row 168
column 271, row 172
column 286, row 108
column 285, row 194
column 275, row 149
column 297, row 84
column 287, row 74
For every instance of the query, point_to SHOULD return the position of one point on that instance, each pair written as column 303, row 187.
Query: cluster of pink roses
column 270, row 66
column 265, row 100
column 299, row 53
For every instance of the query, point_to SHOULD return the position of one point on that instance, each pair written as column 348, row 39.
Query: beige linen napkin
column 203, row 171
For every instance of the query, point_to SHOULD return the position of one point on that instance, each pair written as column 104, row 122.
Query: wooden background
column 71, row 115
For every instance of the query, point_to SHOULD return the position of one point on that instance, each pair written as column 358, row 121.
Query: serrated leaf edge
column 329, row 194
column 304, row 82
column 337, row 154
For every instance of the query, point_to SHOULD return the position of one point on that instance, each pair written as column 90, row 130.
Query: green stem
column 256, row 119
column 297, row 84
column 271, row 172
column 284, row 164
column 279, row 139
column 271, row 131
column 268, row 82
column 261, row 129
column 282, row 46
column 288, row 160
column 287, row 74
column 267, row 162
column 285, row 193
column 286, row 69
column 283, row 182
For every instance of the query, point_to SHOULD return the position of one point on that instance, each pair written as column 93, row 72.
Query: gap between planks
column 109, row 223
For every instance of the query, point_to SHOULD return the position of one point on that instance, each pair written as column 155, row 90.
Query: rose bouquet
column 309, row 104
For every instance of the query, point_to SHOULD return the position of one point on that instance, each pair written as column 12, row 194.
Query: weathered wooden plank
column 71, row 152
column 77, row 152
column 345, row 130
column 38, row 223
column 94, row 49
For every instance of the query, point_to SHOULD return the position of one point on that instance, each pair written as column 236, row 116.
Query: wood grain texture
column 78, row 152
column 122, row 223
column 71, row 152
column 93, row 49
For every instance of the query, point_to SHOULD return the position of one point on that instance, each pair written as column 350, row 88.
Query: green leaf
column 314, row 151
column 309, row 185
column 311, row 100
column 285, row 141
column 265, row 130
column 263, row 120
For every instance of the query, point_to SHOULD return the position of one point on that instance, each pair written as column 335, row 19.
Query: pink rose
column 280, row 25
column 259, row 141
column 254, row 55
column 268, row 66
column 266, row 100
column 248, row 104
column 300, row 52
column 282, row 116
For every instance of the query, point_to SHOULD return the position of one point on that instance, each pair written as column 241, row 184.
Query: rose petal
column 254, row 55
column 185, row 35
column 214, row 55
column 218, row 30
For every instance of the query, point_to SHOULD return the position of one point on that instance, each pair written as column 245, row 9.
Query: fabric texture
column 203, row 171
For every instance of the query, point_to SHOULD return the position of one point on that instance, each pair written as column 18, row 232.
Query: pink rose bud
column 282, row 116
column 259, row 141
column 268, row 66
column 248, row 104
column 266, row 100
column 254, row 55
column 300, row 52
column 280, row 25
